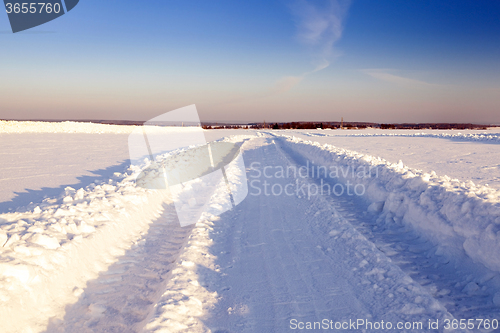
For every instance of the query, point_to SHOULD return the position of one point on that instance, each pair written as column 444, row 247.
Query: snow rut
column 53, row 249
column 285, row 258
column 464, row 286
column 122, row 297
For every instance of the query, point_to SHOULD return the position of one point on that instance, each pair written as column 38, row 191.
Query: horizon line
column 228, row 122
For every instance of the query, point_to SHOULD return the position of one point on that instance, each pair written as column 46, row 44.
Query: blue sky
column 381, row 61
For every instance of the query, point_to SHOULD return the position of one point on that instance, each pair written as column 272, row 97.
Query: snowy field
column 364, row 230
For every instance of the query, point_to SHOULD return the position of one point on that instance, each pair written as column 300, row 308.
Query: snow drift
column 459, row 218
column 482, row 137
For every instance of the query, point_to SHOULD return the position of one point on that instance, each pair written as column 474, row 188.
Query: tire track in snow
column 267, row 267
column 122, row 298
column 461, row 285
column 278, row 263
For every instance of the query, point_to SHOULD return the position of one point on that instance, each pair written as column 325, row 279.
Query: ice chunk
column 470, row 288
column 3, row 238
column 376, row 207
column 46, row 241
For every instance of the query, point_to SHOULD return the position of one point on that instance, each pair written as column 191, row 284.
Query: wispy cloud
column 319, row 27
column 285, row 83
column 385, row 75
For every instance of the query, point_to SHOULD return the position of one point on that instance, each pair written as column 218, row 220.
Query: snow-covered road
column 286, row 259
column 275, row 261
column 395, row 246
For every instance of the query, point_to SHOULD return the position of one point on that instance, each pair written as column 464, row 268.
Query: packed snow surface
column 336, row 228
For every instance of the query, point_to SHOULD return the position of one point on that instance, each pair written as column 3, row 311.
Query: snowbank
column 488, row 137
column 459, row 218
column 49, row 252
column 9, row 127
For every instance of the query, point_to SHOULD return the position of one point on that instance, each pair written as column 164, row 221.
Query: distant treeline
column 292, row 125
column 442, row 126
column 348, row 125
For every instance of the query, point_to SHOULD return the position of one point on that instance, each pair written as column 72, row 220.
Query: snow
column 40, row 161
column 39, row 165
column 448, row 212
column 458, row 154
column 95, row 252
column 66, row 242
column 477, row 136
column 10, row 127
